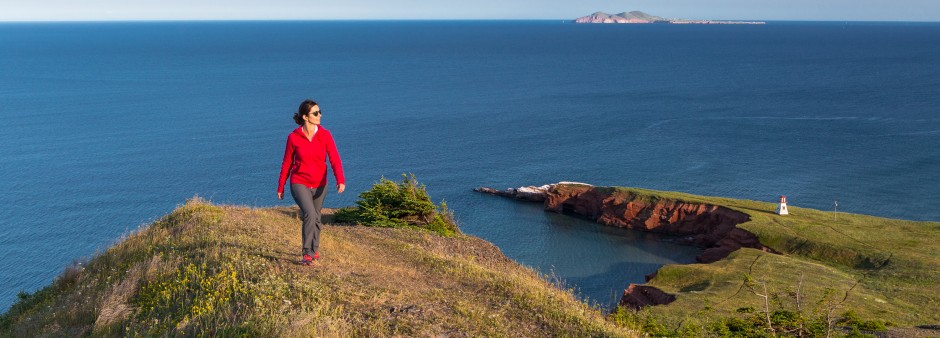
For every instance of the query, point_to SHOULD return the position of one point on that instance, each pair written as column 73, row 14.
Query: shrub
column 640, row 320
column 627, row 318
column 400, row 204
column 852, row 320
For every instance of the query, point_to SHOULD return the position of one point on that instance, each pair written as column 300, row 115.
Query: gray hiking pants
column 310, row 201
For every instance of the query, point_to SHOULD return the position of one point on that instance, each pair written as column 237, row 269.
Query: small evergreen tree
column 399, row 204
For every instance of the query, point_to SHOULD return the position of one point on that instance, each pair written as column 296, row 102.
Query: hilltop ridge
column 230, row 270
column 227, row 270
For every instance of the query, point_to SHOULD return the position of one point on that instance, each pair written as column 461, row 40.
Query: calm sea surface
column 105, row 127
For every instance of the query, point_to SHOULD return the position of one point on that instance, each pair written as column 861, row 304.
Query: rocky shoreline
column 710, row 226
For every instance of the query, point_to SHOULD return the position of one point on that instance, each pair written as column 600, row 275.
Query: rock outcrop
column 711, row 226
column 534, row 194
column 639, row 296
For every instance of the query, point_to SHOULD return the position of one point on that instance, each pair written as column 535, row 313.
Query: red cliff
column 711, row 226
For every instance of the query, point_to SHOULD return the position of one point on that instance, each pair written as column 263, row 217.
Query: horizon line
column 412, row 19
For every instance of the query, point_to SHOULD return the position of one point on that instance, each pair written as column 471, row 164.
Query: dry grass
column 226, row 270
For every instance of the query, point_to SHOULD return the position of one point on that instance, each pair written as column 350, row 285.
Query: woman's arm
column 336, row 163
column 286, row 164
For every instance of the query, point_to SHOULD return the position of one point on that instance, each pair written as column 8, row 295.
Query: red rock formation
column 638, row 296
column 711, row 226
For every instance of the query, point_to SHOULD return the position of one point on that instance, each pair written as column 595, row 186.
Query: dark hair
column 303, row 110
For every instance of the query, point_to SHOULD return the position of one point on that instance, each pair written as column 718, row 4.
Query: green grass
column 895, row 264
column 216, row 270
column 232, row 271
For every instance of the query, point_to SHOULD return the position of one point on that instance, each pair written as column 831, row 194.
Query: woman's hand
column 280, row 195
column 340, row 188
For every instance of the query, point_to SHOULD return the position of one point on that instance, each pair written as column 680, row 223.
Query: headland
column 218, row 270
column 877, row 267
column 231, row 270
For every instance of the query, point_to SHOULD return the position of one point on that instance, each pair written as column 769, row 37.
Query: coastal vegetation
column 884, row 268
column 221, row 270
column 400, row 204
column 811, row 273
column 388, row 270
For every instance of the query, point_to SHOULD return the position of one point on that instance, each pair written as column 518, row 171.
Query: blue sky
column 836, row 10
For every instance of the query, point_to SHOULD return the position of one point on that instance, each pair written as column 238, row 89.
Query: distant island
column 640, row 17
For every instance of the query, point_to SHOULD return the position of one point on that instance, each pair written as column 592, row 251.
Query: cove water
column 108, row 126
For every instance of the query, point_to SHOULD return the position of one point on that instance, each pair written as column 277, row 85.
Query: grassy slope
column 896, row 264
column 225, row 270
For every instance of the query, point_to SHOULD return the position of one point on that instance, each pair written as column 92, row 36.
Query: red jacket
column 305, row 160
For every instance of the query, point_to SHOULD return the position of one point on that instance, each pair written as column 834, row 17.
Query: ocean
column 106, row 127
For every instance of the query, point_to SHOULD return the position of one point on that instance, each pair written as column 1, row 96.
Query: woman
column 308, row 147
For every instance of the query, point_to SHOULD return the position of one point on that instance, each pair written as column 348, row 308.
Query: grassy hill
column 881, row 269
column 232, row 271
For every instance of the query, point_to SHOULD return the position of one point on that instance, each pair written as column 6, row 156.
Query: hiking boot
column 307, row 260
column 316, row 256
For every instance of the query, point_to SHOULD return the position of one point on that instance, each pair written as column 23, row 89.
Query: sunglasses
column 315, row 113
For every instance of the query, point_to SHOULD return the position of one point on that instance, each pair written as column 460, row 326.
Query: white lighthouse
column 782, row 208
